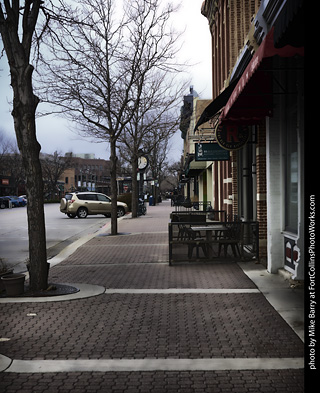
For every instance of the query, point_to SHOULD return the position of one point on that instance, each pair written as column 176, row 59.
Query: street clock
column 142, row 162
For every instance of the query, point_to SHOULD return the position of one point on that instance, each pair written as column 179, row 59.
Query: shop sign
column 210, row 152
column 232, row 136
column 5, row 182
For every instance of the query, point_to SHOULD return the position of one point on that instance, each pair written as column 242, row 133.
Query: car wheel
column 120, row 212
column 71, row 215
column 82, row 212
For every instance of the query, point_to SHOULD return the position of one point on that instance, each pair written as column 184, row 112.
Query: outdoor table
column 209, row 229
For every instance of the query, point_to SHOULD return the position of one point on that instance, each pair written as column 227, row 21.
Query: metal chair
column 193, row 239
column 232, row 237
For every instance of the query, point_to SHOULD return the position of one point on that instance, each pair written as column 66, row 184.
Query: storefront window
column 247, row 179
column 291, row 160
column 291, row 184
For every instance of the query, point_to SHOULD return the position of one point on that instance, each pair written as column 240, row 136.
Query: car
column 21, row 200
column 24, row 197
column 14, row 201
column 18, row 201
column 82, row 204
column 4, row 202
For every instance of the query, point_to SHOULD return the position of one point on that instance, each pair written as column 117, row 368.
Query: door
column 104, row 204
column 247, row 180
column 90, row 202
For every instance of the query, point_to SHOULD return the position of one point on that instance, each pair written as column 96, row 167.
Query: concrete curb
column 105, row 365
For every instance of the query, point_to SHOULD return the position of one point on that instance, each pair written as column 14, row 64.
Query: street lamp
column 143, row 162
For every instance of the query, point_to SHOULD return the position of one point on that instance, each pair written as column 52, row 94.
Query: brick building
column 257, row 115
column 87, row 173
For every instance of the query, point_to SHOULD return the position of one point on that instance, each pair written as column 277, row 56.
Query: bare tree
column 153, row 124
column 100, row 59
column 158, row 163
column 53, row 165
column 6, row 147
column 10, row 162
column 17, row 27
column 170, row 176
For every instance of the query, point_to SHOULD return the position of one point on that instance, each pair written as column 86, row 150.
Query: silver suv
column 82, row 204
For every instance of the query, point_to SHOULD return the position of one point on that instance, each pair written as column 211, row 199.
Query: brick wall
column 229, row 22
column 240, row 15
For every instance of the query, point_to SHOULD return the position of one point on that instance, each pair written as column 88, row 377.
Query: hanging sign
column 232, row 136
column 210, row 152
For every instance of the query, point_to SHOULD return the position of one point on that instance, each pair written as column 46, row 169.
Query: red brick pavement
column 264, row 381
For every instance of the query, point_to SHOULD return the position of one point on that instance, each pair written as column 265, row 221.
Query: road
column 60, row 232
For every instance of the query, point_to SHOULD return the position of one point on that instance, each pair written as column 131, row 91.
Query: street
column 60, row 232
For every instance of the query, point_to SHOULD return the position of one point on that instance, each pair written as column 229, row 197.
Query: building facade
column 193, row 169
column 257, row 114
column 88, row 174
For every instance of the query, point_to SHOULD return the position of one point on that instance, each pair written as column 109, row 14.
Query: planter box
column 7, row 273
column 14, row 284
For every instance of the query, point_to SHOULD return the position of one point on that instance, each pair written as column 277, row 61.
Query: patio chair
column 232, row 237
column 193, row 239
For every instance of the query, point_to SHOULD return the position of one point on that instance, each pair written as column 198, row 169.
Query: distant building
column 87, row 173
column 87, row 156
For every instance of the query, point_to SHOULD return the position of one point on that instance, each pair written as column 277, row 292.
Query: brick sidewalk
column 151, row 311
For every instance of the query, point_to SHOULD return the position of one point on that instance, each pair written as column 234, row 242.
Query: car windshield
column 68, row 197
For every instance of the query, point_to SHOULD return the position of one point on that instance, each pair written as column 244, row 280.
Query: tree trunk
column 36, row 225
column 24, row 108
column 114, row 193
column 135, row 188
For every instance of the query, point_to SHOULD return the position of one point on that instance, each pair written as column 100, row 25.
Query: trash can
column 151, row 201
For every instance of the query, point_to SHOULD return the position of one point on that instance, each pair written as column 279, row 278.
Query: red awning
column 251, row 100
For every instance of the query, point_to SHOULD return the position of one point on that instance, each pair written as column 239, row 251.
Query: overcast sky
column 53, row 132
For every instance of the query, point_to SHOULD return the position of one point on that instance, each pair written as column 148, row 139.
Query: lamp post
column 143, row 162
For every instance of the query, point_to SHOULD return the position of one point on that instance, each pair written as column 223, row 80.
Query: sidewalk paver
column 158, row 276
column 264, row 381
column 150, row 326
column 190, row 311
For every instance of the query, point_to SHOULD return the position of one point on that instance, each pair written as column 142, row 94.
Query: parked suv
column 83, row 203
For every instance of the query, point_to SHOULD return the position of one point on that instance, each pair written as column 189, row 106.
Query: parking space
column 60, row 231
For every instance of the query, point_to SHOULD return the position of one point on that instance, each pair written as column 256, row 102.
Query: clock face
column 142, row 162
